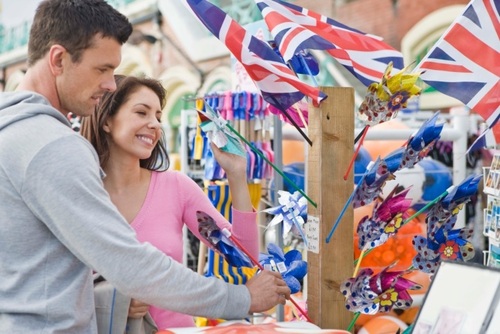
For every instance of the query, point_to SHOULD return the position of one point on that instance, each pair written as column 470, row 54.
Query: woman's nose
column 154, row 124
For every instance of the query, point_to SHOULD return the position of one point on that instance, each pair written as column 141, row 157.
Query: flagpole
column 283, row 110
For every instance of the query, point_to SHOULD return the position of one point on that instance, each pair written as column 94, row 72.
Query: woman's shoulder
column 172, row 176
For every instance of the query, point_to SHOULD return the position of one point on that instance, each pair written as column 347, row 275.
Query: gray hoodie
column 57, row 224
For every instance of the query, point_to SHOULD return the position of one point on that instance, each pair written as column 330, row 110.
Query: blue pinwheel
column 371, row 183
column 422, row 142
column 290, row 265
column 221, row 243
column 442, row 242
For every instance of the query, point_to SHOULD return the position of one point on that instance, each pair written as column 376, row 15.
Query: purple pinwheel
column 369, row 294
column 422, row 142
column 220, row 243
column 385, row 221
column 290, row 211
column 442, row 242
column 290, row 265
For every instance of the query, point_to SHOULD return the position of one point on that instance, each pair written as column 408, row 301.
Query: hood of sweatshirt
column 17, row 106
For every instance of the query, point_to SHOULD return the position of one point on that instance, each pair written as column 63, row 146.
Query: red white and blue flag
column 365, row 56
column 465, row 62
column 290, row 36
column 278, row 84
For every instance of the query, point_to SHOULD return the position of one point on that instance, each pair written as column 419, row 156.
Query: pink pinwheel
column 369, row 294
column 385, row 221
column 298, row 113
column 290, row 211
column 442, row 242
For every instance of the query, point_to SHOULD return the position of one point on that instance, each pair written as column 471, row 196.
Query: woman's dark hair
column 74, row 24
column 93, row 125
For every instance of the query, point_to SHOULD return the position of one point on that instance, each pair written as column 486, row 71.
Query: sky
column 14, row 12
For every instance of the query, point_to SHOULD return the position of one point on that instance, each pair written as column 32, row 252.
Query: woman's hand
column 234, row 165
column 137, row 309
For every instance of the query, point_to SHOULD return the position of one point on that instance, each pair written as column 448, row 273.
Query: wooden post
column 331, row 129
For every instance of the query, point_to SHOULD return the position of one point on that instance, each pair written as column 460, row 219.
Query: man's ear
column 57, row 57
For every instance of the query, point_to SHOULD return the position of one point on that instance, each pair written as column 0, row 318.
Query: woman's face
column 136, row 128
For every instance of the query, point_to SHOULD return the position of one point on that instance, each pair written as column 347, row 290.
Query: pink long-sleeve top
column 172, row 201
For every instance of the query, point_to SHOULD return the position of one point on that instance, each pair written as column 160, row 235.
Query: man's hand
column 137, row 309
column 267, row 289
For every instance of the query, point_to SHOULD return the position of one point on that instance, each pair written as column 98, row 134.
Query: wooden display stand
column 331, row 129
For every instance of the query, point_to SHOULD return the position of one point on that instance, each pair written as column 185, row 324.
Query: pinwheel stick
column 353, row 321
column 360, row 258
column 364, row 132
column 290, row 118
column 349, row 200
column 407, row 220
column 253, row 148
column 228, row 234
column 301, row 115
column 298, row 226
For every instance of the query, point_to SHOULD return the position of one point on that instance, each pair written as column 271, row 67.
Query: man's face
column 81, row 85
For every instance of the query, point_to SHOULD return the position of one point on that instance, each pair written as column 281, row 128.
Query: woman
column 126, row 132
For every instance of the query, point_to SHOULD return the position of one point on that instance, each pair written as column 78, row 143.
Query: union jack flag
column 289, row 35
column 364, row 55
column 277, row 83
column 465, row 62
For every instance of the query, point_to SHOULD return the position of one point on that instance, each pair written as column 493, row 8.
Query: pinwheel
column 230, row 248
column 422, row 142
column 221, row 242
column 384, row 99
column 298, row 112
column 461, row 193
column 371, row 184
column 290, row 211
column 290, row 265
column 369, row 294
column 442, row 242
column 452, row 202
column 392, row 162
column 218, row 133
column 386, row 220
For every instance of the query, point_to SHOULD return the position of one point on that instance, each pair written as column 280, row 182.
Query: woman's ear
column 106, row 127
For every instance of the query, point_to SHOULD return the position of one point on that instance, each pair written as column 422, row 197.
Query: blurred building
column 170, row 44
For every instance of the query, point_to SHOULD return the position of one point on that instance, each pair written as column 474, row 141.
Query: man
column 57, row 222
